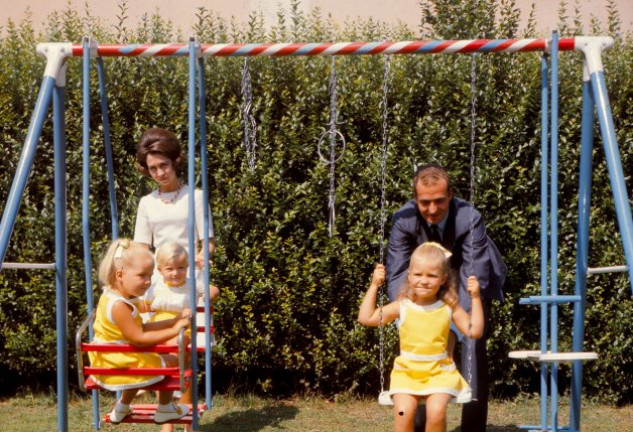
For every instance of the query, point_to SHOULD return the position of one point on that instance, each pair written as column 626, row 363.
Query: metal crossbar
column 30, row 266
column 325, row 49
column 602, row 270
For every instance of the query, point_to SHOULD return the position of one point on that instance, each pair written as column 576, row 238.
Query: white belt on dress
column 420, row 357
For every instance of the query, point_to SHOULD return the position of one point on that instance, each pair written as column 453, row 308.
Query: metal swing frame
column 594, row 96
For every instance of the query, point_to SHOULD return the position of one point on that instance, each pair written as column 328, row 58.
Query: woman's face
column 161, row 168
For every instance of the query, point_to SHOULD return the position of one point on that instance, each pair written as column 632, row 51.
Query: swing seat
column 550, row 357
column 144, row 413
column 385, row 399
column 175, row 378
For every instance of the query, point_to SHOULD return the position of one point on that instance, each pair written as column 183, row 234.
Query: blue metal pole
column 108, row 148
column 614, row 165
column 202, row 106
column 582, row 247
column 554, row 230
column 85, row 209
column 192, row 214
column 544, row 230
column 59, row 139
column 25, row 163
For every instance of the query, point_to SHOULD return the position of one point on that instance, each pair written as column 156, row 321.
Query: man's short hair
column 430, row 174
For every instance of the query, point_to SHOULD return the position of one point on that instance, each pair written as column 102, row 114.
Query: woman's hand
column 200, row 261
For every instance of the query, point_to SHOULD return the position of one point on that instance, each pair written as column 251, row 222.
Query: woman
column 163, row 214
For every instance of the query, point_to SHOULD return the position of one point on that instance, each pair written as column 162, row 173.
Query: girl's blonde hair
column 432, row 251
column 120, row 253
column 168, row 252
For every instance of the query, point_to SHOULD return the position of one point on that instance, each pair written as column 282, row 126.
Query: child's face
column 134, row 278
column 174, row 271
column 426, row 276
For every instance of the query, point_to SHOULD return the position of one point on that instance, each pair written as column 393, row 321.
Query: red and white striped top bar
column 323, row 49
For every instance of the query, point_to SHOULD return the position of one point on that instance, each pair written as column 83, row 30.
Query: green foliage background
column 287, row 313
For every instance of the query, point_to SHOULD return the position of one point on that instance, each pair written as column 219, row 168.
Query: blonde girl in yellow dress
column 424, row 370
column 125, row 273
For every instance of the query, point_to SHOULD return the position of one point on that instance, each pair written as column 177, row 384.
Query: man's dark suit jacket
column 475, row 254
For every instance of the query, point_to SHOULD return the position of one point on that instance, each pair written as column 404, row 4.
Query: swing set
column 594, row 97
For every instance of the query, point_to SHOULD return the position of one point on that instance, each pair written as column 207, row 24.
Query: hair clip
column 123, row 244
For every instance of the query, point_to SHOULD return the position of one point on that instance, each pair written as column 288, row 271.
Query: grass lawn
column 253, row 414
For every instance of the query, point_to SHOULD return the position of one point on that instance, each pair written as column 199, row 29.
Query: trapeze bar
column 612, row 269
column 30, row 266
column 324, row 49
column 550, row 299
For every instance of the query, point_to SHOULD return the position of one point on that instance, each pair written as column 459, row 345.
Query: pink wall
column 183, row 11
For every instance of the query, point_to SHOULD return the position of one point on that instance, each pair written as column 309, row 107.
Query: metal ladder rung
column 601, row 270
column 29, row 266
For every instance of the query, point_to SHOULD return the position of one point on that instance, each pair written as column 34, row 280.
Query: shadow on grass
column 252, row 419
column 495, row 428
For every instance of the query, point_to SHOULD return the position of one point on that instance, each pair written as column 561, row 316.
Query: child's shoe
column 119, row 412
column 170, row 412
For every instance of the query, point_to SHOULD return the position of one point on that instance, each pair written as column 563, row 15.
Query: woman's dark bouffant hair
column 162, row 141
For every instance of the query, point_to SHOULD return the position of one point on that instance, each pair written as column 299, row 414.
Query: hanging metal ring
column 338, row 136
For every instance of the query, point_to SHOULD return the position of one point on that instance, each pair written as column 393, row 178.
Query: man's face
column 433, row 200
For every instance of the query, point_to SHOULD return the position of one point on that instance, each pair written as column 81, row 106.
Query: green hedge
column 290, row 293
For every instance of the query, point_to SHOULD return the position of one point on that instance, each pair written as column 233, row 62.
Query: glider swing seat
column 175, row 378
column 52, row 94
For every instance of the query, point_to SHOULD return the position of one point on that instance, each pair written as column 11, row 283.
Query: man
column 434, row 214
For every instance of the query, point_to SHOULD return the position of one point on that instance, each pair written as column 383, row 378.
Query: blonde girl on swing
column 427, row 303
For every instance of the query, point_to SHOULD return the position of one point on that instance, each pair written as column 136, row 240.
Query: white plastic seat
column 551, row 357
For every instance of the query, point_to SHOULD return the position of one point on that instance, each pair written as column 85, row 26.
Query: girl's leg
column 127, row 396
column 436, row 405
column 186, row 399
column 122, row 407
column 404, row 406
column 165, row 399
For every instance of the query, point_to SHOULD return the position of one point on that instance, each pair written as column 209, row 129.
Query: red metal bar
column 172, row 371
column 127, row 348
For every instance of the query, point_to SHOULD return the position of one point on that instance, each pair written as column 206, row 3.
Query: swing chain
column 383, row 166
column 383, row 174
column 473, row 100
column 334, row 135
column 250, row 126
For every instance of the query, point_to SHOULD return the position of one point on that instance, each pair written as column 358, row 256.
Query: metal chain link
column 334, row 136
column 250, row 126
column 473, row 101
column 383, row 177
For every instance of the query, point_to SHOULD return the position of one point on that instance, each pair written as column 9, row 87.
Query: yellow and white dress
column 106, row 332
column 423, row 366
